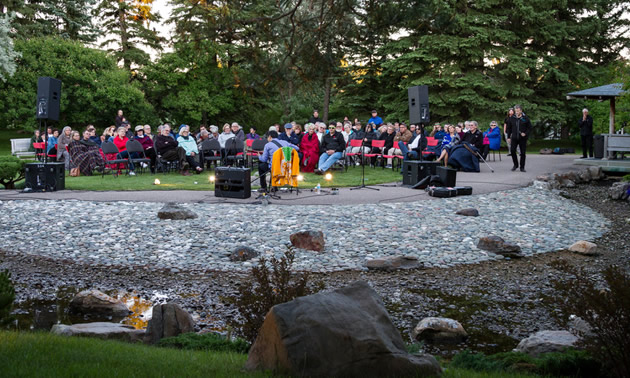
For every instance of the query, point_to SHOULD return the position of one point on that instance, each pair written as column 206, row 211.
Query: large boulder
column 168, row 320
column 546, row 342
column 584, row 247
column 311, row 240
column 173, row 211
column 439, row 331
column 96, row 303
column 343, row 333
column 619, row 190
column 596, row 173
column 497, row 245
column 101, row 330
column 393, row 263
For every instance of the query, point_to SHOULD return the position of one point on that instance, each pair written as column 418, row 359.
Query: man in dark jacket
column 518, row 129
column 474, row 137
column 331, row 149
column 586, row 133
column 315, row 118
column 168, row 149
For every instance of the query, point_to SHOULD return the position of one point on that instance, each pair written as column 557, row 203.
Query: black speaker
column 48, row 97
column 414, row 170
column 418, row 104
column 448, row 176
column 233, row 182
column 47, row 177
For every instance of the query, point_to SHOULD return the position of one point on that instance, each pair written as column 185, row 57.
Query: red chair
column 353, row 143
column 255, row 149
column 40, row 153
column 376, row 143
column 393, row 157
column 431, row 142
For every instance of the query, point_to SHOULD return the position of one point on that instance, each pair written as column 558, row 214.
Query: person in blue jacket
column 376, row 120
column 494, row 139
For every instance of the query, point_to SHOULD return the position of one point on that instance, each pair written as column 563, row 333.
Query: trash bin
column 598, row 141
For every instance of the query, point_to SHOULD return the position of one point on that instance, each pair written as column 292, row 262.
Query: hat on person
column 125, row 122
column 373, row 111
column 139, row 127
column 288, row 126
column 182, row 126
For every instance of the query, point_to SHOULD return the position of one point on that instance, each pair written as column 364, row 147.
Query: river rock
column 311, row 240
column 542, row 185
column 96, row 303
column 584, row 247
column 393, row 263
column 243, row 253
column 343, row 333
column 596, row 173
column 585, row 175
column 619, row 191
column 439, row 331
column 168, row 320
column 546, row 342
column 468, row 212
column 173, row 211
column 101, row 330
column 497, row 245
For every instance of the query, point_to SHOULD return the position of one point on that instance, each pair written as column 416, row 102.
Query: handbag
column 75, row 172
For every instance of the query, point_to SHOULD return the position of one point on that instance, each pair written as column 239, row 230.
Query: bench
column 19, row 148
column 618, row 143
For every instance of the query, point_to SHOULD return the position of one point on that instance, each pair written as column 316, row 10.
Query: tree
column 7, row 54
column 128, row 22
column 93, row 88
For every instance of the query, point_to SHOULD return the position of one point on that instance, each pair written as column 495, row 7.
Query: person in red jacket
column 120, row 140
column 310, row 149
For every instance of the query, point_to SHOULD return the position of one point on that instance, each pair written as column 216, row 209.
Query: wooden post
column 612, row 116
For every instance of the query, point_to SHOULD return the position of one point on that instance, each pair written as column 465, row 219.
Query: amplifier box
column 45, row 177
column 448, row 176
column 415, row 170
column 233, row 182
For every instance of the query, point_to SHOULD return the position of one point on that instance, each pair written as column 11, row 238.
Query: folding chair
column 210, row 152
column 353, row 143
column 134, row 146
column 256, row 150
column 110, row 149
column 376, row 143
column 234, row 151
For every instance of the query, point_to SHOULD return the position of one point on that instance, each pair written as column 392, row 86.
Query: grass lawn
column 26, row 354
column 175, row 181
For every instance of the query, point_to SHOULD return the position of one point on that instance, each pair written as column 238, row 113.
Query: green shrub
column 208, row 341
column 414, row 348
column 7, row 296
column 477, row 362
column 626, row 178
column 574, row 363
column 268, row 287
column 11, row 171
column 607, row 312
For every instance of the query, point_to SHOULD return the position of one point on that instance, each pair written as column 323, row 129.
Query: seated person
column 331, row 149
column 237, row 130
column 474, row 137
column 264, row 164
column 169, row 150
column 84, row 154
column 252, row 134
column 203, row 136
column 451, row 139
column 309, row 147
column 403, row 135
column 415, row 148
column 36, row 138
column 62, row 142
column 121, row 142
column 494, row 139
column 51, row 147
column 187, row 142
column 147, row 145
column 288, row 135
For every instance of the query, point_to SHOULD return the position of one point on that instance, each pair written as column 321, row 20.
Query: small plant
column 7, row 296
column 272, row 283
column 607, row 312
column 11, row 171
column 414, row 348
column 626, row 178
column 208, row 341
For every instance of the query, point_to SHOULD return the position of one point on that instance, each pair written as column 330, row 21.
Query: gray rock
column 585, row 175
column 311, row 240
column 243, row 253
column 439, row 331
column 496, row 244
column 579, row 326
column 542, row 185
column 346, row 332
column 173, row 211
column 393, row 263
column 596, row 173
column 101, row 330
column 619, row 190
column 96, row 303
column 468, row 212
column 547, row 342
column 584, row 247
column 168, row 320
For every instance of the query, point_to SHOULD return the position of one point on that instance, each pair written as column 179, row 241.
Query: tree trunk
column 564, row 131
column 327, row 89
column 204, row 118
column 124, row 39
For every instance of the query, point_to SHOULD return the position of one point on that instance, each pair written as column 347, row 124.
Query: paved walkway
column 482, row 182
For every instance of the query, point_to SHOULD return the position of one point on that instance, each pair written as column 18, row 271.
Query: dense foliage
column 11, row 171
column 7, row 296
column 267, row 61
column 208, row 341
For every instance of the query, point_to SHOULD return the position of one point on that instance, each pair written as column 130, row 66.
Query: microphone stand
column 363, row 169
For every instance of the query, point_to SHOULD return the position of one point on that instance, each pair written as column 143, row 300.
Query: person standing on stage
column 518, row 129
column 586, row 133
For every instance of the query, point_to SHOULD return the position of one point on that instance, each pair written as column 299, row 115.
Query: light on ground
column 156, row 182
column 300, row 178
column 211, row 178
column 328, row 176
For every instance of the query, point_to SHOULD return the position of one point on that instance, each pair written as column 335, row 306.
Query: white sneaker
column 143, row 165
column 357, row 163
column 132, row 173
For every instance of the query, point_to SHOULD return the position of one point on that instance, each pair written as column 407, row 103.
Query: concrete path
column 482, row 182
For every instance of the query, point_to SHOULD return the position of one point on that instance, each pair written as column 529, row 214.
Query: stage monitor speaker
column 418, row 104
column 415, row 170
column 448, row 176
column 233, row 182
column 48, row 98
column 49, row 177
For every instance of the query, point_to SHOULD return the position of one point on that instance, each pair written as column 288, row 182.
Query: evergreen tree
column 7, row 54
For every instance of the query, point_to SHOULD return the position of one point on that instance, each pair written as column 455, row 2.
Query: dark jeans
column 125, row 155
column 150, row 153
column 192, row 162
column 587, row 143
column 404, row 150
column 263, row 168
column 520, row 143
column 178, row 154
